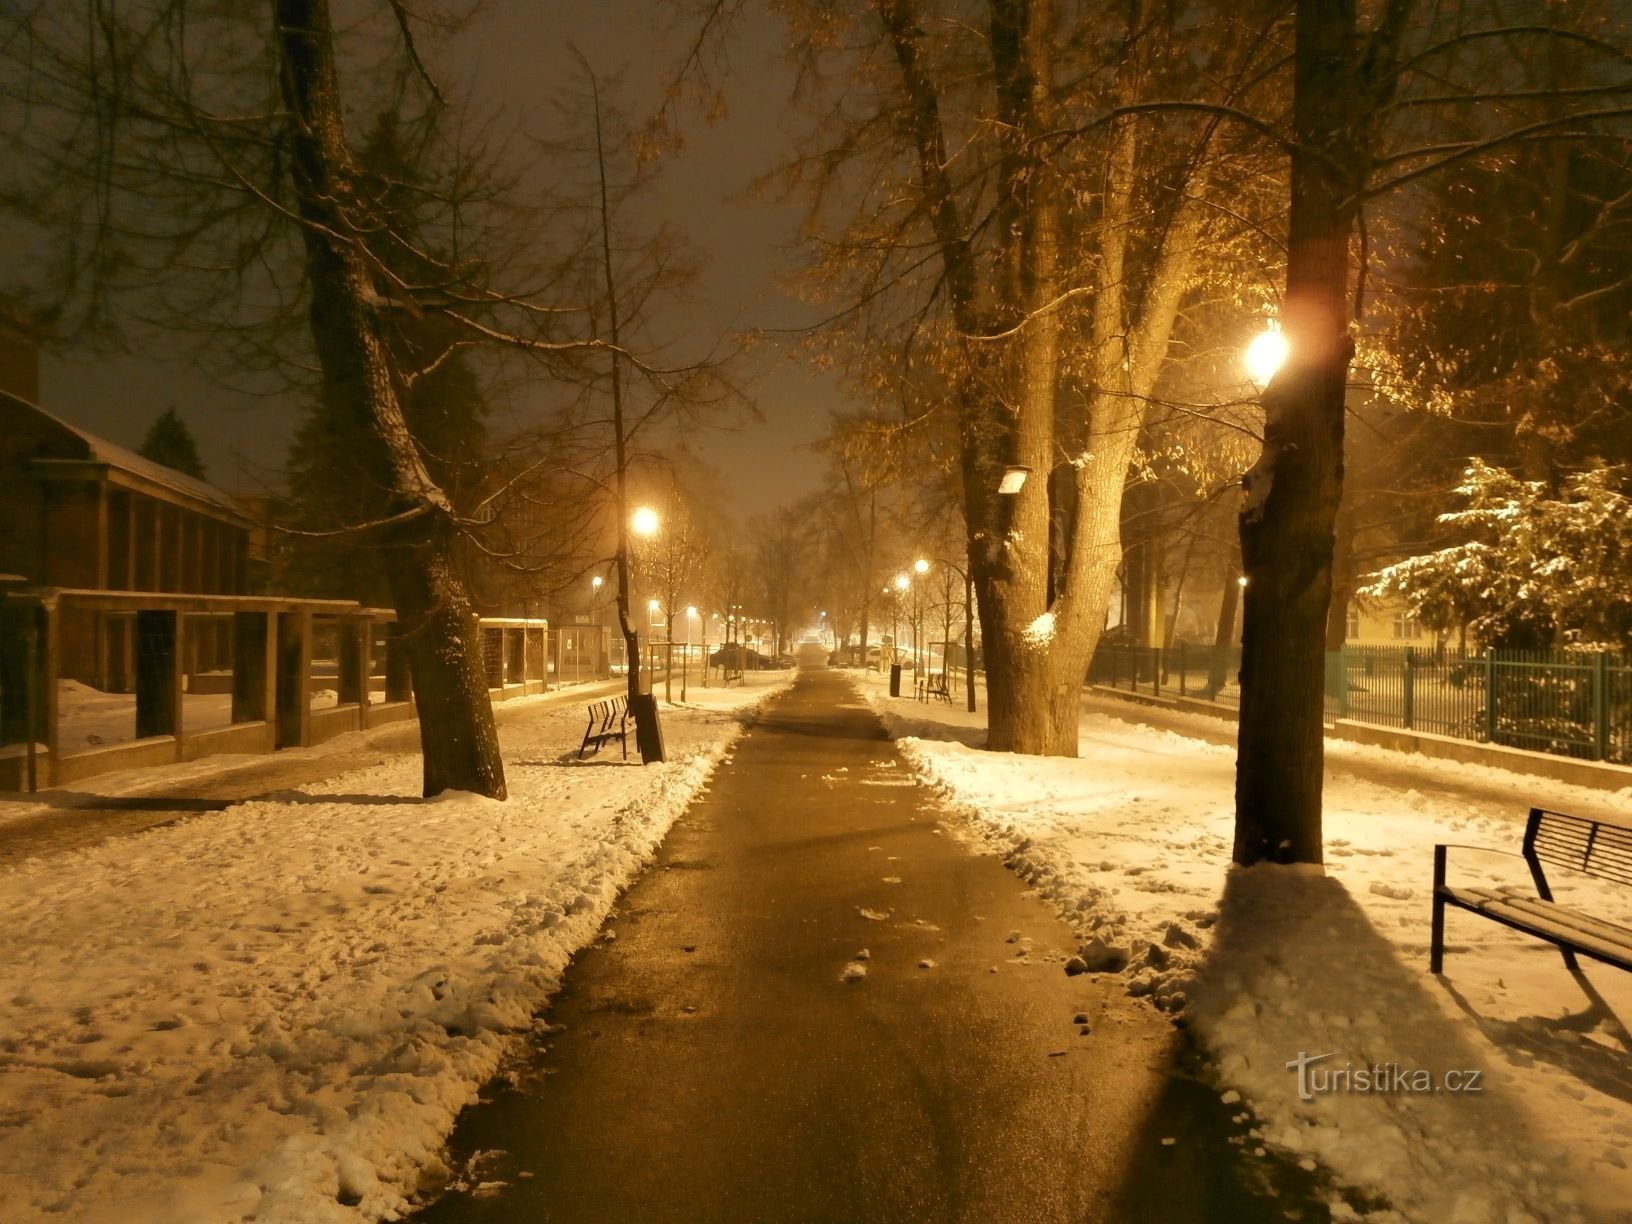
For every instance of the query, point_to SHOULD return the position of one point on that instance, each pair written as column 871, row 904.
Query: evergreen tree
column 171, row 443
column 1534, row 571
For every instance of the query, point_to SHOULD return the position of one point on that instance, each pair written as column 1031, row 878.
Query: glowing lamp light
column 1265, row 355
column 595, row 582
column 921, row 566
column 902, row 582
column 651, row 605
column 644, row 521
column 691, row 611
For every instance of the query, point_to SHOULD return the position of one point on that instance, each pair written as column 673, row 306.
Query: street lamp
column 1266, row 355
column 644, row 522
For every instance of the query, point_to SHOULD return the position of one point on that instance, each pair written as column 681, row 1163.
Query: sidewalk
column 821, row 1005
column 84, row 813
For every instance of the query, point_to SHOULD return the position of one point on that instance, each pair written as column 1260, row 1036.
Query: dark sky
column 512, row 57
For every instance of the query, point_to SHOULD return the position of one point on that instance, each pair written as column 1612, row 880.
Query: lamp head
column 1265, row 355
column 644, row 522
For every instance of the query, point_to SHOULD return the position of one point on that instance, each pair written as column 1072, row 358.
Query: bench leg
column 1436, row 954
column 1570, row 961
column 1436, row 951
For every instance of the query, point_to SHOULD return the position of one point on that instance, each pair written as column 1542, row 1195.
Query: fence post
column 1490, row 695
column 1156, row 671
column 1181, row 670
column 1600, row 706
column 1408, row 678
column 1343, row 680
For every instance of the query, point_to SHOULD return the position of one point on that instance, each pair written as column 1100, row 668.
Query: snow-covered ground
column 1132, row 842
column 276, row 1011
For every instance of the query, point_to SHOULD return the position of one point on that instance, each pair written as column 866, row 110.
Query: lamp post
column 919, row 567
column 902, row 582
column 685, row 657
column 648, row 730
column 595, row 584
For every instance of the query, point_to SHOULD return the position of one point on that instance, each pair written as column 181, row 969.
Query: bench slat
column 1601, row 849
column 1552, row 914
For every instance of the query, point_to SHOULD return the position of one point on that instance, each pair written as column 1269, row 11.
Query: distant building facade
column 79, row 512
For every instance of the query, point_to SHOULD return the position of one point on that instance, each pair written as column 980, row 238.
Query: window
column 1406, row 626
column 1351, row 624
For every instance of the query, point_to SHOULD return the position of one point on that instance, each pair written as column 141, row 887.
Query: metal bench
column 932, row 685
column 1601, row 849
column 608, row 720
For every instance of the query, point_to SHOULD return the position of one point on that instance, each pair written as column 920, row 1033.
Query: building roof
column 100, row 450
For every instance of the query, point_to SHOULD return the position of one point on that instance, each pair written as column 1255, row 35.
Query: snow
column 276, row 1011
column 1132, row 843
column 90, row 718
column 1040, row 633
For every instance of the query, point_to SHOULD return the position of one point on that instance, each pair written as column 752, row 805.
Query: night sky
column 511, row 57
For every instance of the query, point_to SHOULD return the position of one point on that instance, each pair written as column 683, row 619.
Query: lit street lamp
column 1266, row 355
column 644, row 522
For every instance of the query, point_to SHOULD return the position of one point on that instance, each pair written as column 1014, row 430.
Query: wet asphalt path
column 713, row 1065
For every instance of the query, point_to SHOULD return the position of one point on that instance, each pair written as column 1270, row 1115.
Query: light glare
column 1265, row 355
column 644, row 521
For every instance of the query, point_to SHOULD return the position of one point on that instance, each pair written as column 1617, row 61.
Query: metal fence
column 1570, row 703
column 1183, row 671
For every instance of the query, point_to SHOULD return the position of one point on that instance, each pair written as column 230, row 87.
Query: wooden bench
column 932, row 685
column 608, row 720
column 1600, row 849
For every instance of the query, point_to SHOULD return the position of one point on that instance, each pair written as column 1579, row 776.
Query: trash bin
column 895, row 679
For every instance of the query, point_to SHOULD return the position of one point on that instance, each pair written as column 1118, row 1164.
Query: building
column 81, row 513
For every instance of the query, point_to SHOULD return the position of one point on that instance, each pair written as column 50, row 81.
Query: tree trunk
column 457, row 733
column 1224, row 636
column 1293, row 491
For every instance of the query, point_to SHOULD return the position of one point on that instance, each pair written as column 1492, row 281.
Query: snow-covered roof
column 100, row 450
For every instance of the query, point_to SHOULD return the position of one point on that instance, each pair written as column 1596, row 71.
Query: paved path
column 714, row 1066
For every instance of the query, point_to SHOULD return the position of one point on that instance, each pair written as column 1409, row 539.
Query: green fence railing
column 1566, row 702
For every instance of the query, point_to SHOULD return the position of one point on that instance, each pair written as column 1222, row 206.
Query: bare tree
column 1023, row 258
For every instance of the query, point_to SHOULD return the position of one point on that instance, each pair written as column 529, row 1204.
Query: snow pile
column 276, row 1011
column 1132, row 843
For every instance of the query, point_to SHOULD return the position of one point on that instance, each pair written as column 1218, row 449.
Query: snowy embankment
column 276, row 1011
column 1132, row 842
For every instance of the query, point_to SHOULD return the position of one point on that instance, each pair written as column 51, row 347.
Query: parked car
column 736, row 655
